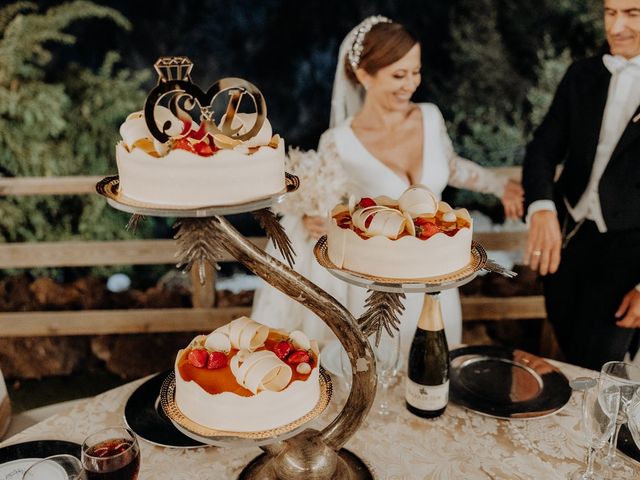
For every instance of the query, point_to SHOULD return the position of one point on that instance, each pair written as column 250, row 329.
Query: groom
column 584, row 228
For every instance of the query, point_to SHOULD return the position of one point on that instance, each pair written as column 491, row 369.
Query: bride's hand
column 315, row 226
column 513, row 199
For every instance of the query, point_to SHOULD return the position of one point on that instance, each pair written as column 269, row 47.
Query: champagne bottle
column 427, row 385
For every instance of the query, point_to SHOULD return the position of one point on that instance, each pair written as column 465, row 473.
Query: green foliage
column 507, row 60
column 487, row 118
column 550, row 71
column 62, row 124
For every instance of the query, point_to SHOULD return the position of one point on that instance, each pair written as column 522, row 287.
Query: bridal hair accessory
column 347, row 97
column 361, row 31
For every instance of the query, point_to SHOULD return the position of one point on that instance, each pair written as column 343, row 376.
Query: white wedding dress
column 365, row 175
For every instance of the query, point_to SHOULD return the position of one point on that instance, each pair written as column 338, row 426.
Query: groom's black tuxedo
column 596, row 269
column 569, row 134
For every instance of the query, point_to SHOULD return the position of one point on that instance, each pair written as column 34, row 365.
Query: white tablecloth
column 459, row 445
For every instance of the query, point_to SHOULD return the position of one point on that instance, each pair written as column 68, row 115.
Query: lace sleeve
column 322, row 180
column 469, row 175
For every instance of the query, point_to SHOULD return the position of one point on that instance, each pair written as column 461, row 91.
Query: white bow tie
column 616, row 64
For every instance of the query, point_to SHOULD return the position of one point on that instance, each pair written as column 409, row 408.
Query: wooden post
column 203, row 295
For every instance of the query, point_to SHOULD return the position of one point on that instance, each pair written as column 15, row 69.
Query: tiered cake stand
column 203, row 236
column 384, row 304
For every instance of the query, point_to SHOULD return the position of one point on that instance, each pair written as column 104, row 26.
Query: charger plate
column 228, row 438
column 146, row 418
column 477, row 262
column 506, row 383
column 16, row 458
column 109, row 187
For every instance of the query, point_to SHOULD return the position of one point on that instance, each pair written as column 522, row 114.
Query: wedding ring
column 537, row 253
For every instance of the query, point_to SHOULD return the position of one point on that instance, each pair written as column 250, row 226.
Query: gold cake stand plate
column 109, row 187
column 224, row 438
column 477, row 262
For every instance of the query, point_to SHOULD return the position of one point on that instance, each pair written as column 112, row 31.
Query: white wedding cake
column 245, row 377
column 415, row 236
column 195, row 169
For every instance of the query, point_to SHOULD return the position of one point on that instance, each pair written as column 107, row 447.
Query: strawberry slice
column 423, row 220
column 184, row 144
column 367, row 202
column 369, row 219
column 426, row 231
column 198, row 357
column 198, row 134
column 282, row 349
column 203, row 149
column 216, row 360
column 299, row 356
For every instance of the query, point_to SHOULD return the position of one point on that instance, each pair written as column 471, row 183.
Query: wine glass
column 111, row 453
column 387, row 354
column 633, row 417
column 56, row 467
column 600, row 406
column 627, row 378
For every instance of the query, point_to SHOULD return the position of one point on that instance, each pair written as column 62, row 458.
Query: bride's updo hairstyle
column 384, row 44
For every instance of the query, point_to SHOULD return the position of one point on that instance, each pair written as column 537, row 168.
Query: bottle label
column 427, row 397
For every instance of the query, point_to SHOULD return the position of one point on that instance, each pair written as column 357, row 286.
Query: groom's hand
column 630, row 308
column 543, row 242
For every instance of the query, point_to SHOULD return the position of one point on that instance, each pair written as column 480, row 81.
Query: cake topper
column 176, row 107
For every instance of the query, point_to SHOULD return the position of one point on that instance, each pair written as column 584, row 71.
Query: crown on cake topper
column 192, row 111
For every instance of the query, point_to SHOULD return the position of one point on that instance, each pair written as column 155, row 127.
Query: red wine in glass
column 111, row 454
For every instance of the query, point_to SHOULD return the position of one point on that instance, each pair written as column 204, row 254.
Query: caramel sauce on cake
column 222, row 379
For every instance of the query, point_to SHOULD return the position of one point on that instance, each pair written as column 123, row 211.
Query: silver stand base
column 350, row 467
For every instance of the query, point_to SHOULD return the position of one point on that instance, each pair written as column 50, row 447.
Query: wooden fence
column 205, row 315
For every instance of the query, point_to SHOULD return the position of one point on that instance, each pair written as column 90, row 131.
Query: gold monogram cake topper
column 185, row 110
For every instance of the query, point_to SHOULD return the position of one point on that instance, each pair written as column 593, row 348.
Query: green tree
column 59, row 123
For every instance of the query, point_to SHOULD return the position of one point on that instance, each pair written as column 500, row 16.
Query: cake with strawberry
column 195, row 168
column 246, row 377
column 416, row 236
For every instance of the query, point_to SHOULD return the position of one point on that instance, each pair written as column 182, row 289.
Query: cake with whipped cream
column 194, row 168
column 415, row 236
column 246, row 377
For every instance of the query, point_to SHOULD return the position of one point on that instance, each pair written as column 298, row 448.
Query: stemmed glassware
column 110, row 454
column 387, row 354
column 627, row 378
column 56, row 467
column 600, row 406
column 633, row 417
column 388, row 362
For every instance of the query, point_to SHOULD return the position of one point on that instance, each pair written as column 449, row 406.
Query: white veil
column 346, row 98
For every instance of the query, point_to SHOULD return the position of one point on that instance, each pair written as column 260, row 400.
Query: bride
column 379, row 143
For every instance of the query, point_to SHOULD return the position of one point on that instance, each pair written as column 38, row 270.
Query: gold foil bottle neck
column 431, row 315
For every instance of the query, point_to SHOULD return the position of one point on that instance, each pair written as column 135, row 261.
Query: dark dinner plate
column 38, row 449
column 144, row 415
column 15, row 459
column 506, row 383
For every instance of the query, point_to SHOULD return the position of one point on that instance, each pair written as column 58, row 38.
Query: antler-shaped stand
column 311, row 454
column 203, row 234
